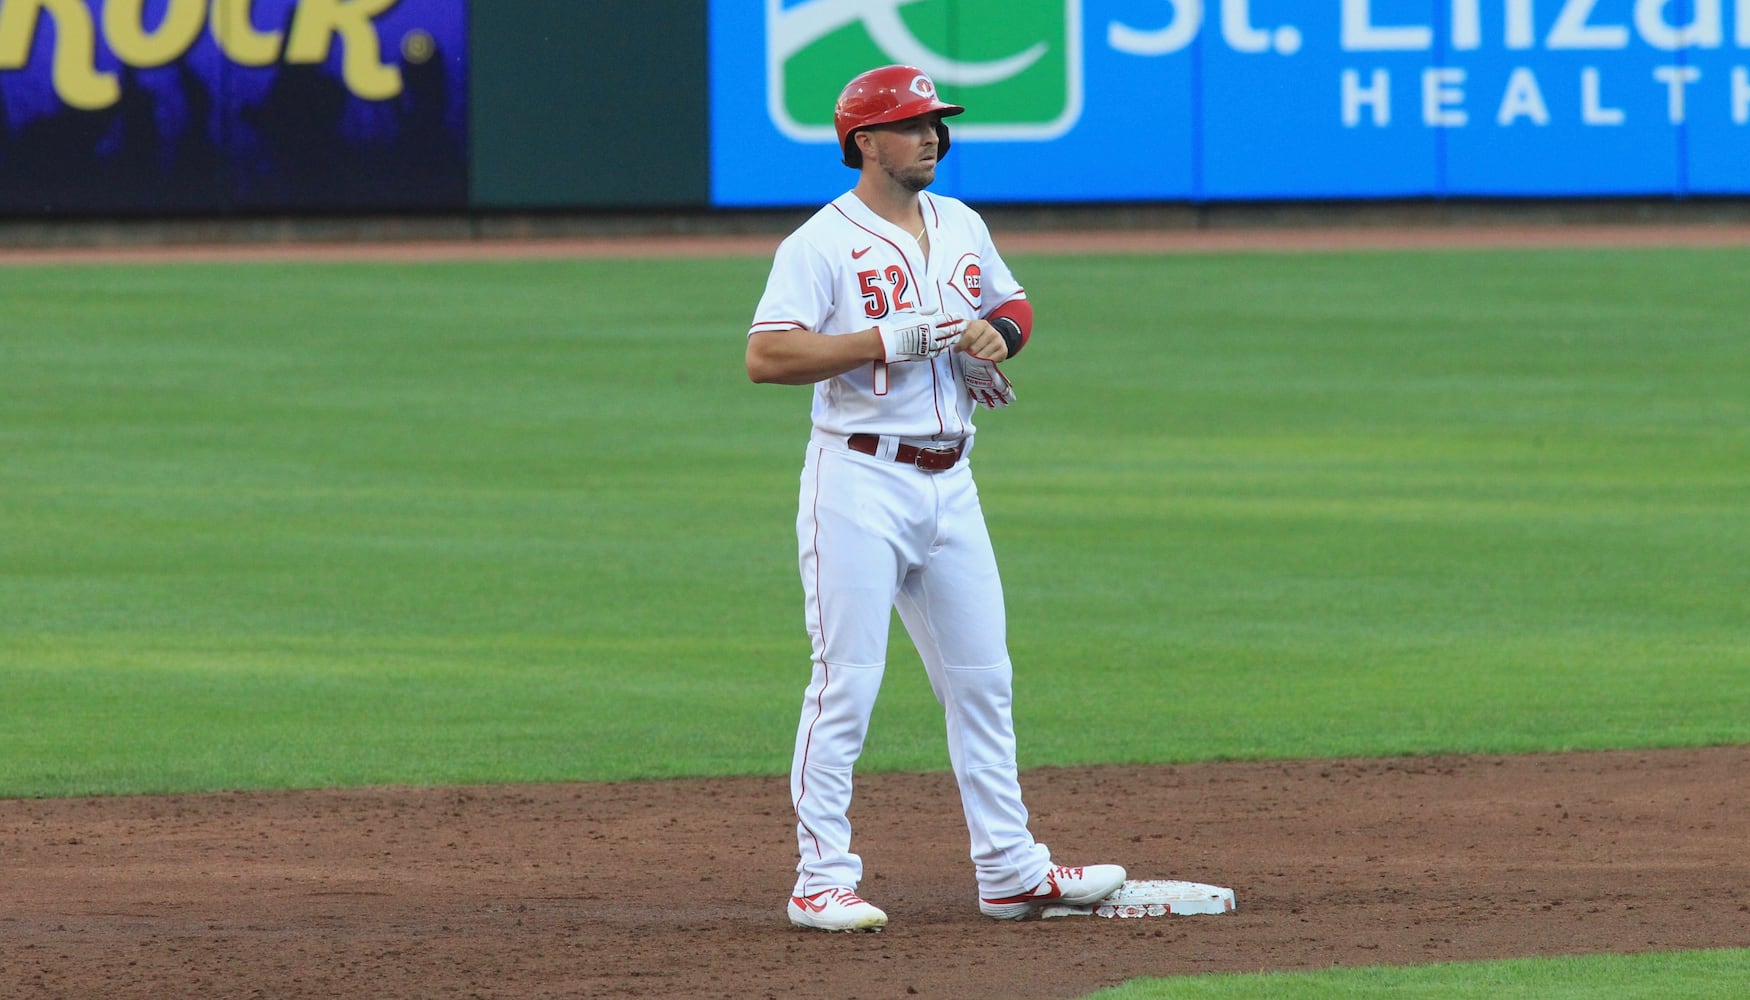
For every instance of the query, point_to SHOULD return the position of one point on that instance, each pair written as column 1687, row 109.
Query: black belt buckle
column 927, row 459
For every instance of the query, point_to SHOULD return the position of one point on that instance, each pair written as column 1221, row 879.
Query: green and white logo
column 1016, row 67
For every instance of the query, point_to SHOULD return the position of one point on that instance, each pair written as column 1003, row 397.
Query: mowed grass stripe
column 299, row 524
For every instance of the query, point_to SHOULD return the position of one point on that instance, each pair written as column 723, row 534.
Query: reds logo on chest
column 967, row 280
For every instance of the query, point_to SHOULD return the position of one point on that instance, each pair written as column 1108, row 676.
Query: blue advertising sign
column 205, row 105
column 1210, row 100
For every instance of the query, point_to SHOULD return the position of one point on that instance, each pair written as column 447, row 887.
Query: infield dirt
column 676, row 888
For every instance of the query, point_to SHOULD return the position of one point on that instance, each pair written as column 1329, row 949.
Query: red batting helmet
column 888, row 94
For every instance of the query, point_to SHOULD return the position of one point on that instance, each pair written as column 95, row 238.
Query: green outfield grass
column 295, row 524
column 1691, row 975
column 292, row 525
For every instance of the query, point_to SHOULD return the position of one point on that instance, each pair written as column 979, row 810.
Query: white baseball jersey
column 847, row 269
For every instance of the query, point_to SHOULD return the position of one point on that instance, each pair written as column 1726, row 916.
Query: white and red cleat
column 836, row 910
column 1062, row 884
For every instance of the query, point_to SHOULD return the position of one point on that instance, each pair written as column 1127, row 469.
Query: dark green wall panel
column 589, row 104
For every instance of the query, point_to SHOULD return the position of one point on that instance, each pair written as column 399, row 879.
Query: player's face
column 906, row 150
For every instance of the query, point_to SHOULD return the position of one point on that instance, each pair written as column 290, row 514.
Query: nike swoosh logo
column 810, row 904
column 858, row 254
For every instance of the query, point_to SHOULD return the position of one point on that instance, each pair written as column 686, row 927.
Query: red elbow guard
column 1014, row 320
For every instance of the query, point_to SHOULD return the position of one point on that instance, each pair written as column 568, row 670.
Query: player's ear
column 865, row 140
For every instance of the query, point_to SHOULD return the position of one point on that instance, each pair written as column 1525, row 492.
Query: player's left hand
column 988, row 385
column 981, row 340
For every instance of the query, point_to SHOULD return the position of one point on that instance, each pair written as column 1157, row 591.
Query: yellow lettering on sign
column 319, row 21
column 315, row 26
column 124, row 27
column 76, row 78
column 238, row 38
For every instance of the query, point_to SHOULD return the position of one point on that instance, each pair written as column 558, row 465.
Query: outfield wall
column 129, row 108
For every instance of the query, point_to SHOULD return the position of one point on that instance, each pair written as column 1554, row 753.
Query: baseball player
column 894, row 304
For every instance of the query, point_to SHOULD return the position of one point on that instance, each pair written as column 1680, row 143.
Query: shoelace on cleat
column 844, row 896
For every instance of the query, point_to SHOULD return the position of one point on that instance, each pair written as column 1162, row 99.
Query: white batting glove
column 989, row 386
column 917, row 337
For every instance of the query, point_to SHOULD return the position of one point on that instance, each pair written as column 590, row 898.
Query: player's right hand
column 914, row 337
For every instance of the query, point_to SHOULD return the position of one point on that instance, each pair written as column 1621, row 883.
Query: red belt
column 927, row 459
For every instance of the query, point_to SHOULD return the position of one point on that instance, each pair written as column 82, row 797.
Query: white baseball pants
column 873, row 535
